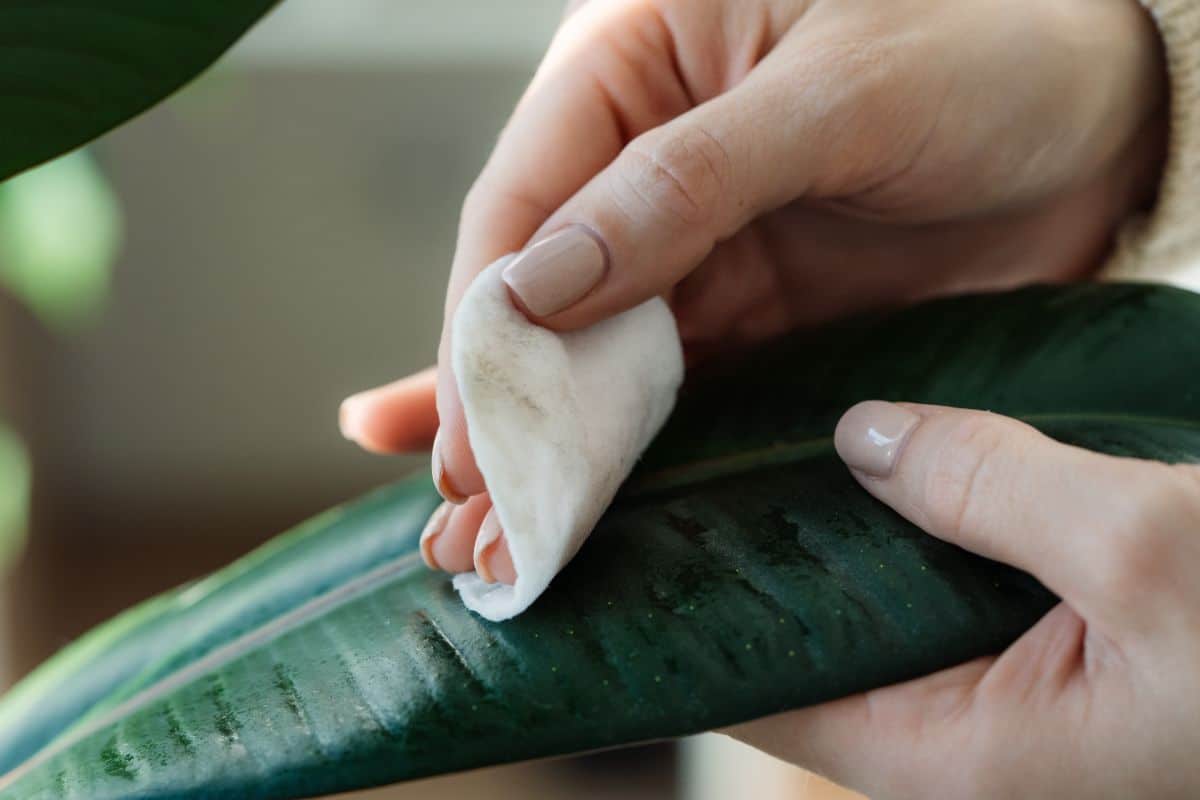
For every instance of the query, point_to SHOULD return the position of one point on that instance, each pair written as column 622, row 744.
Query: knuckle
column 487, row 196
column 1190, row 475
column 1146, row 527
column 1126, row 566
column 871, row 113
column 479, row 201
column 869, row 59
column 474, row 199
column 682, row 175
column 956, row 490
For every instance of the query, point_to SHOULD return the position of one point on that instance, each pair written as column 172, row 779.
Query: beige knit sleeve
column 1164, row 245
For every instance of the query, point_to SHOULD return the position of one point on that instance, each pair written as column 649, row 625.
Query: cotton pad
column 556, row 422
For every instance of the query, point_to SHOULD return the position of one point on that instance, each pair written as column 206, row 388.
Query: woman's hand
column 1101, row 698
column 767, row 164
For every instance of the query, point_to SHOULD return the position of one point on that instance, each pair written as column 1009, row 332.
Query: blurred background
column 236, row 261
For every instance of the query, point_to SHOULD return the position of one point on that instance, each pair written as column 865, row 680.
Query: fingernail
column 558, row 271
column 870, row 435
column 485, row 543
column 440, row 479
column 433, row 528
column 350, row 416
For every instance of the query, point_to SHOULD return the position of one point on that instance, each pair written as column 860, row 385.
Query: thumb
column 656, row 211
column 893, row 741
column 1102, row 532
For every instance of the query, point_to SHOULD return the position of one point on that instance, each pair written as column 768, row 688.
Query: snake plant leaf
column 71, row 70
column 740, row 572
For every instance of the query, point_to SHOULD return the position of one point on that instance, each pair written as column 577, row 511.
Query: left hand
column 1101, row 698
column 772, row 164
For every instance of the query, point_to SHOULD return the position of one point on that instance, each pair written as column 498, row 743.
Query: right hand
column 769, row 164
column 1099, row 699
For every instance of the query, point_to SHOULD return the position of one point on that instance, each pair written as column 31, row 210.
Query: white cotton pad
column 556, row 421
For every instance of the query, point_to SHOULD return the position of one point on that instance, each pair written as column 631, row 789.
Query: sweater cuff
column 1164, row 245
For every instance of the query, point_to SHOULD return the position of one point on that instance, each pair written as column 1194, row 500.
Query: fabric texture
column 556, row 422
column 1165, row 244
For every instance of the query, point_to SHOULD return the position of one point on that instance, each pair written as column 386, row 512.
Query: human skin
column 771, row 164
column 1100, row 699
column 766, row 166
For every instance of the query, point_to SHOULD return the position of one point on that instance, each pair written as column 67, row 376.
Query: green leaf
column 14, row 495
column 60, row 227
column 71, row 70
column 741, row 572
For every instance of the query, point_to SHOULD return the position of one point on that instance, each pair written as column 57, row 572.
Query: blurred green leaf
column 60, row 227
column 14, row 494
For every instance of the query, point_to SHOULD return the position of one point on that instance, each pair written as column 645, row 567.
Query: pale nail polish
column 350, row 415
column 871, row 435
column 440, row 480
column 433, row 528
column 489, row 536
column 558, row 271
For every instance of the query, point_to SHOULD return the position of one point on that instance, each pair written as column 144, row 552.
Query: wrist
column 1122, row 73
column 1146, row 161
column 1142, row 85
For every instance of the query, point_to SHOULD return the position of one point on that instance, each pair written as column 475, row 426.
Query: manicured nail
column 870, row 436
column 558, row 271
column 440, row 480
column 433, row 528
column 490, row 534
column 350, row 417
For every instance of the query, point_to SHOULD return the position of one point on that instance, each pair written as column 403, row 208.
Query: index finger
column 607, row 76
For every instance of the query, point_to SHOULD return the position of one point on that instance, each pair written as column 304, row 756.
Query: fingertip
column 492, row 559
column 433, row 529
column 501, row 563
column 442, row 481
column 490, row 534
column 453, row 456
column 871, row 434
column 350, row 418
column 556, row 272
column 400, row 417
column 452, row 549
column 370, row 424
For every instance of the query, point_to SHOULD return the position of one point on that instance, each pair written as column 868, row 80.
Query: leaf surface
column 741, row 572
